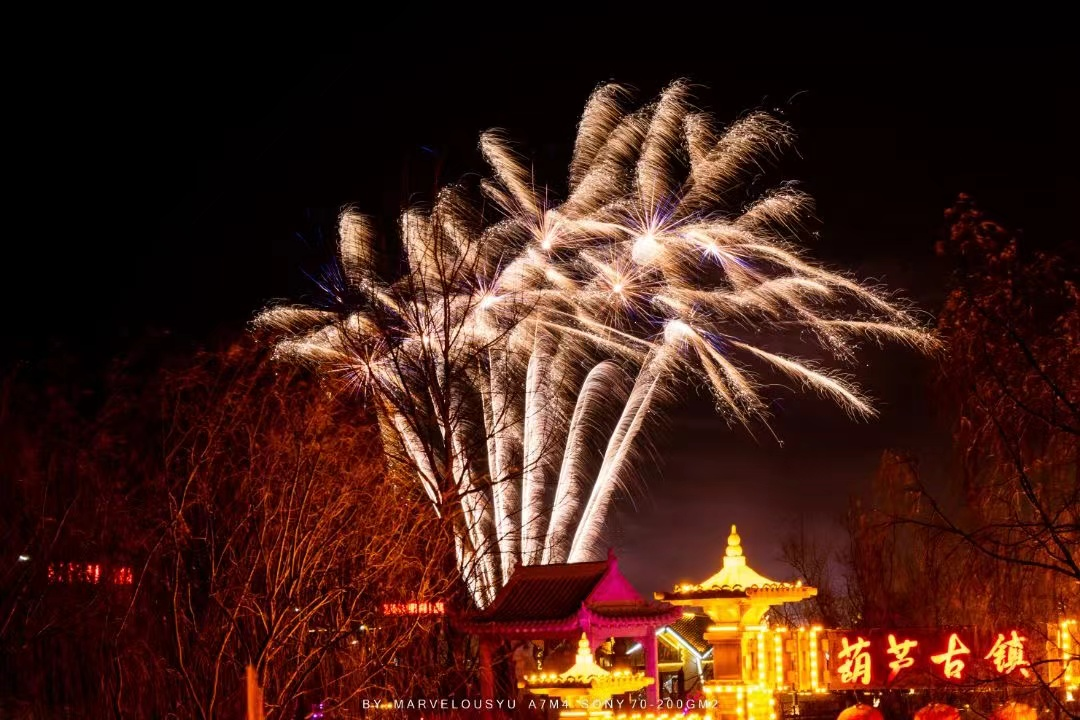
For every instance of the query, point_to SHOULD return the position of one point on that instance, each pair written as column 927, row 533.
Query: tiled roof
column 736, row 580
column 544, row 592
column 630, row 610
column 692, row 630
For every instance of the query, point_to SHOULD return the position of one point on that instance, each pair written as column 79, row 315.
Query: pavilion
column 750, row 660
column 585, row 688
column 566, row 601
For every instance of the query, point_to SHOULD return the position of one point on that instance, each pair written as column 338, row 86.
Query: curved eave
column 709, row 594
column 613, row 685
column 788, row 593
column 481, row 627
column 774, row 592
column 646, row 616
column 658, row 617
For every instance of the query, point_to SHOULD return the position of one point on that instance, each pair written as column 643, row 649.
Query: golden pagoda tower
column 750, row 660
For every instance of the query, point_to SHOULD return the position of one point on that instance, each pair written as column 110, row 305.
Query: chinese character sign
column 951, row 661
column 901, row 652
column 922, row 657
column 414, row 608
column 856, row 666
column 1008, row 655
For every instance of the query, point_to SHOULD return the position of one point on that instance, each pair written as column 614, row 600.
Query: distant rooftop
column 692, row 629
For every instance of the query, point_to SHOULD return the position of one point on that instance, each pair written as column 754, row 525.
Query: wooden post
column 487, row 676
column 254, row 695
column 652, row 668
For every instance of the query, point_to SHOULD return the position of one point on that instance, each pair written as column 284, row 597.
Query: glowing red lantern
column 860, row 712
column 1014, row 711
column 937, row 711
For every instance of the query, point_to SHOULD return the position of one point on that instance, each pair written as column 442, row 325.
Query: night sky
column 183, row 182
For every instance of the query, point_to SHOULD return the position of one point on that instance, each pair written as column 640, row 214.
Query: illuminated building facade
column 712, row 646
column 585, row 689
column 752, row 662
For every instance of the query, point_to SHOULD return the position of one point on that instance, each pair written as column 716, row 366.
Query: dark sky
column 183, row 180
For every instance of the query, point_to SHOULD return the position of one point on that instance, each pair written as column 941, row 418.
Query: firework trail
column 513, row 355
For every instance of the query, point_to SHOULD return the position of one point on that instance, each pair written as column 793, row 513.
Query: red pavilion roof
column 566, row 598
column 544, row 592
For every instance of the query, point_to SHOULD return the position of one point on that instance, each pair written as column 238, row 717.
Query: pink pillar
column 487, row 677
column 652, row 669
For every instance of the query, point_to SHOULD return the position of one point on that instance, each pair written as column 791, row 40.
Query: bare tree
column 1013, row 327
column 998, row 541
column 252, row 520
column 815, row 561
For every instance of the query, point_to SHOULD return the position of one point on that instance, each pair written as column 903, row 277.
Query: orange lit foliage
column 995, row 541
column 257, row 522
column 288, row 538
column 904, row 574
column 1013, row 328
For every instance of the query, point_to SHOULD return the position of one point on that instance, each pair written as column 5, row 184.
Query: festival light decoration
column 917, row 657
column 1068, row 679
column 1008, row 655
column 494, row 356
column 761, row 658
column 815, row 651
column 860, row 711
column 667, row 632
column 952, row 664
column 585, row 689
column 778, row 656
column 937, row 711
column 83, row 573
column 856, row 666
column 901, row 651
column 414, row 608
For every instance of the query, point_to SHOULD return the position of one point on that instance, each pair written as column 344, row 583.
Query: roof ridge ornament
column 737, row 593
column 734, row 544
column 585, row 664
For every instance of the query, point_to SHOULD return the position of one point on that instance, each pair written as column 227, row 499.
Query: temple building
column 548, row 605
column 709, row 651
column 750, row 661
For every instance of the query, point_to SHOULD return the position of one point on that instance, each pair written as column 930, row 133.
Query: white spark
column 511, row 352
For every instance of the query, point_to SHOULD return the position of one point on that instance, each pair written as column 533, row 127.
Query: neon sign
column 1008, row 655
column 901, row 651
column 950, row 659
column 79, row 573
column 923, row 657
column 857, row 666
column 414, row 608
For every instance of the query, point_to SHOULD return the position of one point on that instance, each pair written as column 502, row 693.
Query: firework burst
column 514, row 361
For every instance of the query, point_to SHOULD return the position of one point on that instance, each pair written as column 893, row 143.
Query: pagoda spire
column 585, row 665
column 733, row 555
